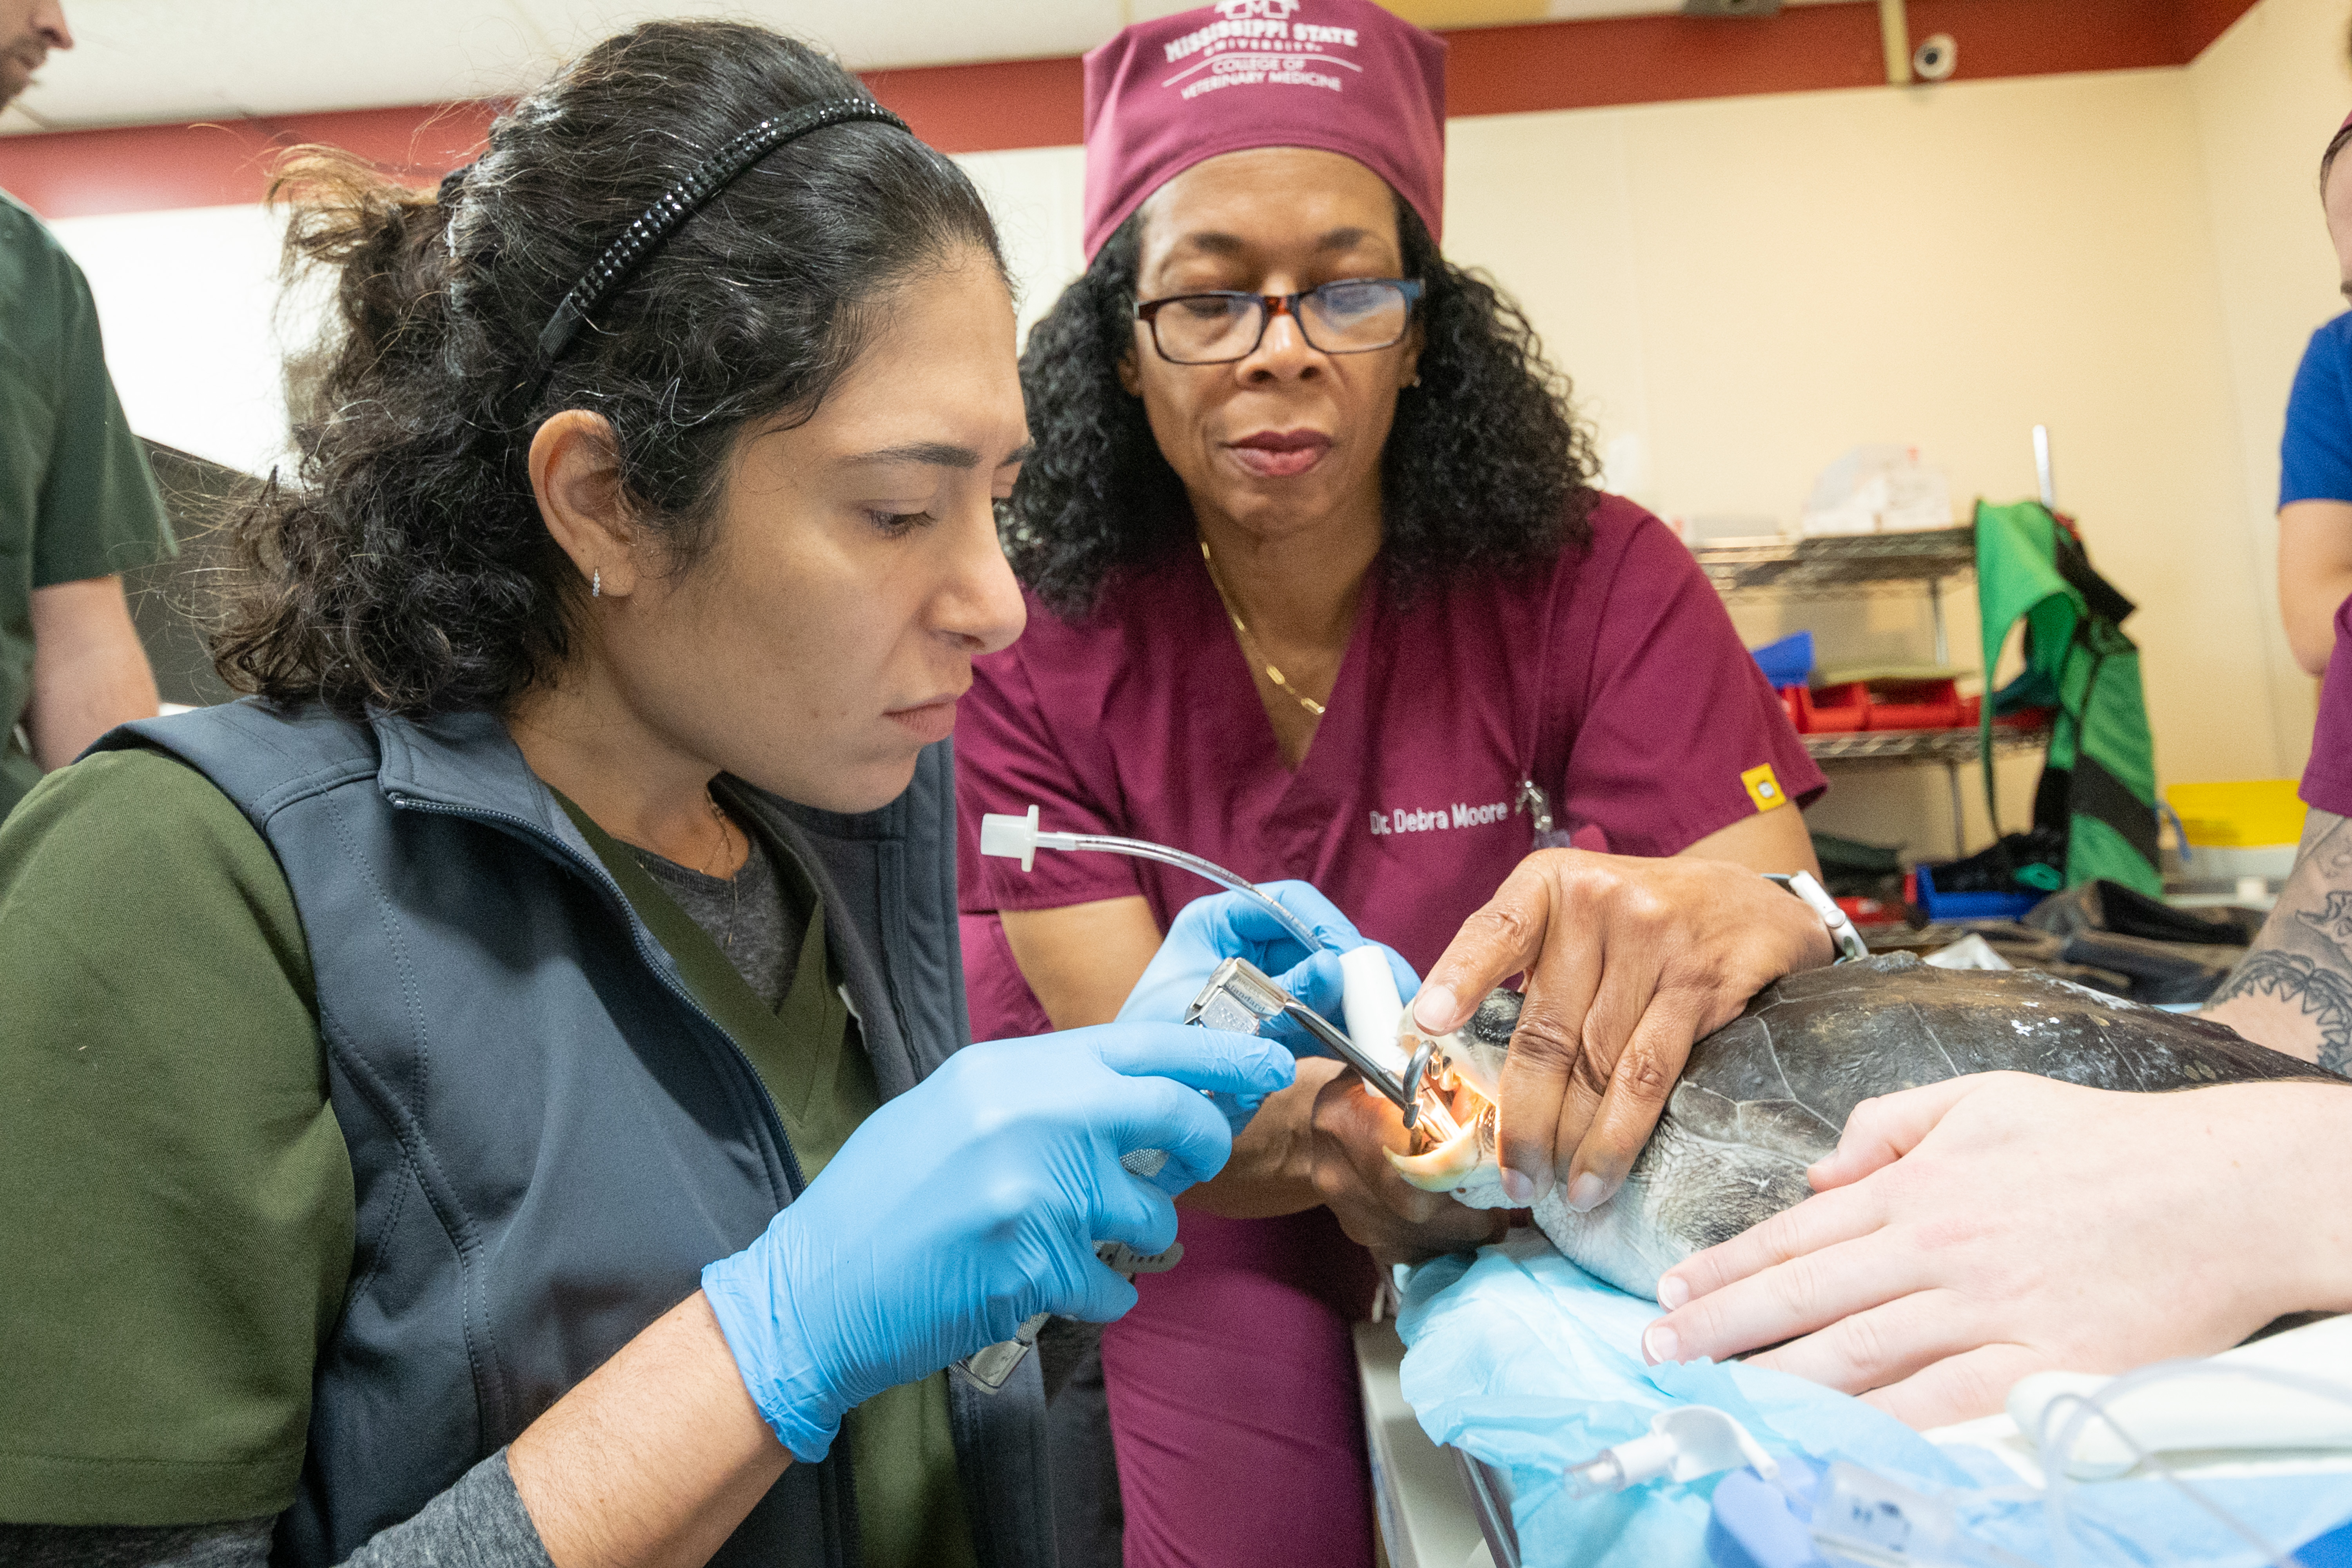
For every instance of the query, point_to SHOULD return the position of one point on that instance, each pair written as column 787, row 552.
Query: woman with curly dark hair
column 1320, row 587
column 501, row 1093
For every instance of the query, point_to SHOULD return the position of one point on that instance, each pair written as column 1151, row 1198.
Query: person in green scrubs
column 78, row 505
column 642, row 539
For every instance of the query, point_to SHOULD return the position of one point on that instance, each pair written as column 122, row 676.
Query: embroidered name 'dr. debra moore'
column 1411, row 819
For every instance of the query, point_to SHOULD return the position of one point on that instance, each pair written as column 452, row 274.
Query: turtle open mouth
column 1448, row 1165
column 1456, row 1149
column 1454, row 1139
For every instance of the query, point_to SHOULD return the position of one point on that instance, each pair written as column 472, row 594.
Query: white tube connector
column 1016, row 838
column 1684, row 1444
column 1010, row 837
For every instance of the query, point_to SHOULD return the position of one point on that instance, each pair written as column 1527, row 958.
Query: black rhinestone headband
column 622, row 258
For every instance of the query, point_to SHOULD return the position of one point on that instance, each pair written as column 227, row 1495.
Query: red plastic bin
column 1832, row 710
column 1915, row 705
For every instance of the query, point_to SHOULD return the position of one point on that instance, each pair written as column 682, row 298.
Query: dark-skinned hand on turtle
column 1628, row 960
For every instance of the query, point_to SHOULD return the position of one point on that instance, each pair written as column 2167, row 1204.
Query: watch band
column 1842, row 936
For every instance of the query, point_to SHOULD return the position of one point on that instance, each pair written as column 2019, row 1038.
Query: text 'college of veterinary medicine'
column 1244, row 48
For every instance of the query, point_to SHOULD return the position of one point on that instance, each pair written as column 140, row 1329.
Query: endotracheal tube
column 1017, row 838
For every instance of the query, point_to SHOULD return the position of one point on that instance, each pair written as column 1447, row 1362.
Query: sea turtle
column 1768, row 1094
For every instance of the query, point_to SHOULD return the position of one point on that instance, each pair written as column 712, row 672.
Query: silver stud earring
column 596, row 583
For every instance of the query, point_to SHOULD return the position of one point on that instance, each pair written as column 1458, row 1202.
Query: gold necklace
column 734, row 883
column 1247, row 641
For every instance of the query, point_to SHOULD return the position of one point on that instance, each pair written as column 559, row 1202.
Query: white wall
column 2267, row 95
column 1744, row 288
column 189, row 301
column 1038, row 196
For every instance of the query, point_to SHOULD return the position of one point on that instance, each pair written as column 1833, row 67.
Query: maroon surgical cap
column 1340, row 74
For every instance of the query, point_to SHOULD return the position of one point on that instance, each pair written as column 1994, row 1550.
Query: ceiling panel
column 867, row 35
column 149, row 62
column 154, row 60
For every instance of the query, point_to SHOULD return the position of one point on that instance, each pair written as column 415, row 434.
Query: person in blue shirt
column 2316, row 456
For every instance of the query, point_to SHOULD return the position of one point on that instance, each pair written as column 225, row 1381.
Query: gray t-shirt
column 750, row 915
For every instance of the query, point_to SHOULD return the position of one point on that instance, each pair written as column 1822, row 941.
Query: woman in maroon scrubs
column 1320, row 589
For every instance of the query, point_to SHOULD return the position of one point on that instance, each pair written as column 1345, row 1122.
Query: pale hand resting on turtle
column 1976, row 1230
column 1969, row 1232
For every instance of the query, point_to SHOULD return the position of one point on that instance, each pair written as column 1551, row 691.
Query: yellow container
column 2237, row 816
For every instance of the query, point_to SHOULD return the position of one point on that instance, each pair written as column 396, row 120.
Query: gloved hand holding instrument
column 1207, row 933
column 1333, row 1133
column 971, row 1203
column 1195, row 966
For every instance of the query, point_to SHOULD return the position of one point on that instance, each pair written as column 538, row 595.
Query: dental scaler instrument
column 1240, row 996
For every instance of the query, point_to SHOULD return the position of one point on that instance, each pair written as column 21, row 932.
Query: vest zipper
column 841, row 1475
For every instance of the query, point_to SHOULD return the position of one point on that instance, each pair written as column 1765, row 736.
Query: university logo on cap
column 1254, row 43
column 1340, row 75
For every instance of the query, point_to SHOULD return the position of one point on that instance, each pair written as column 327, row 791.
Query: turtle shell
column 1768, row 1093
column 1790, row 1068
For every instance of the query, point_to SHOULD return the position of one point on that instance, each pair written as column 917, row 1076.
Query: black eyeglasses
column 1353, row 316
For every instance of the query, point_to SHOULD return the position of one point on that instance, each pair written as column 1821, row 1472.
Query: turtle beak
column 1447, row 1166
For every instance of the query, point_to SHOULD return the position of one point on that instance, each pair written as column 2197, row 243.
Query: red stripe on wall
column 2030, row 38
column 145, row 168
column 1040, row 103
column 987, row 108
column 1651, row 59
column 2202, row 21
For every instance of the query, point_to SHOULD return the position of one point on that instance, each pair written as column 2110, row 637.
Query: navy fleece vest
column 549, row 1136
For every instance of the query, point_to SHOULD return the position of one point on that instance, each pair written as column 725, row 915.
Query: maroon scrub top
column 1612, row 678
column 2326, row 776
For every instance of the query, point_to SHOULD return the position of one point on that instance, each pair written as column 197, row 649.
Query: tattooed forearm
column 2333, row 922
column 2292, row 991
column 2320, row 994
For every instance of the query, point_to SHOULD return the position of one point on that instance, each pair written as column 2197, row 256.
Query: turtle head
column 1459, row 1094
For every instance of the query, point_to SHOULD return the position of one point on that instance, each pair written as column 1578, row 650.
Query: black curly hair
column 2336, row 145
column 404, row 566
column 1485, row 468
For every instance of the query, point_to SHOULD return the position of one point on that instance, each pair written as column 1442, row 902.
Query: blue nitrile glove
column 971, row 1203
column 1208, row 930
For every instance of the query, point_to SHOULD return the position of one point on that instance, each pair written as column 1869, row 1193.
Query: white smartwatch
column 1842, row 936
